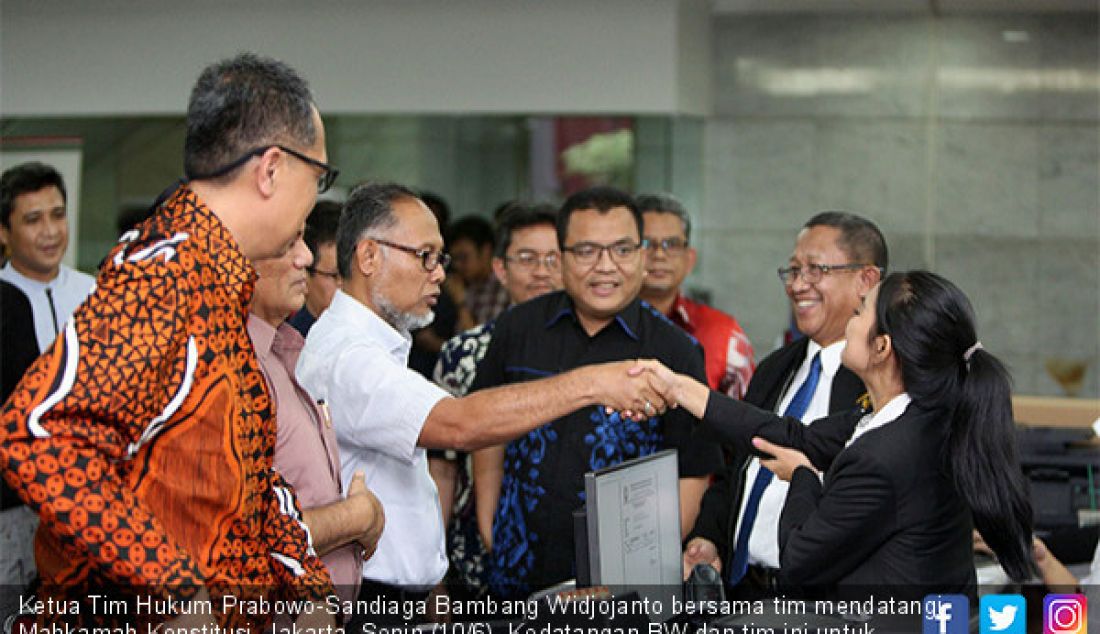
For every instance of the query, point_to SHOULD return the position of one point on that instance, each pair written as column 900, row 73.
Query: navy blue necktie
column 795, row 409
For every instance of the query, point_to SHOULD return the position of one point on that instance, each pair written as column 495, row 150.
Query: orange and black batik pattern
column 144, row 435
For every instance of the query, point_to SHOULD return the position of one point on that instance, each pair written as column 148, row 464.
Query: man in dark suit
column 837, row 259
column 18, row 346
column 18, row 350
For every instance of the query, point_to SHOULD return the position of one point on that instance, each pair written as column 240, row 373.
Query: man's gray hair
column 369, row 207
column 666, row 204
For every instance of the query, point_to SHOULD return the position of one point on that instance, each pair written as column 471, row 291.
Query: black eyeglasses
column 333, row 275
column 671, row 246
column 324, row 181
column 590, row 252
column 429, row 257
column 813, row 273
column 328, row 172
column 530, row 260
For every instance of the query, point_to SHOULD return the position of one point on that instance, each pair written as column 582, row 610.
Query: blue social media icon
column 945, row 614
column 1002, row 614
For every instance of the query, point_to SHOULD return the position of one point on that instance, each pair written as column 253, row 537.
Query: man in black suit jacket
column 18, row 350
column 837, row 259
column 18, row 342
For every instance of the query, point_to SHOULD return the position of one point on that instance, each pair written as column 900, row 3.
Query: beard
column 402, row 322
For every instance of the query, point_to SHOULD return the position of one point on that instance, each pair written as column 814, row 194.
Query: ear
column 498, row 270
column 367, row 257
column 869, row 276
column 270, row 164
column 884, row 347
column 692, row 256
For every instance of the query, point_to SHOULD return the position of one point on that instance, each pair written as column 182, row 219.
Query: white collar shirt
column 358, row 364
column 764, row 539
column 66, row 292
column 884, row 416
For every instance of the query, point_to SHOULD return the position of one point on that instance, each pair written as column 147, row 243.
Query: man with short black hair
column 671, row 259
column 324, row 279
column 596, row 318
column 143, row 437
column 837, row 259
column 34, row 223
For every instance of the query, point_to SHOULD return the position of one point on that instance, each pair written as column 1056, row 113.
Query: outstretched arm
column 738, row 422
column 498, row 414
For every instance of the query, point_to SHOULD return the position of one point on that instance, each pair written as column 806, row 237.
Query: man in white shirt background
column 34, row 225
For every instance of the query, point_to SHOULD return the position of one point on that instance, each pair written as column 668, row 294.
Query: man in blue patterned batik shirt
column 597, row 318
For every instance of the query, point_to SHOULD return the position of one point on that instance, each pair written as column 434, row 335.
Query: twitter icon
column 1003, row 614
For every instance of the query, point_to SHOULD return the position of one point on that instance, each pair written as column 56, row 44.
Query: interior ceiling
column 937, row 7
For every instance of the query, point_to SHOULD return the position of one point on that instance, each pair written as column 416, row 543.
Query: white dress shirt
column 357, row 364
column 764, row 539
column 69, row 289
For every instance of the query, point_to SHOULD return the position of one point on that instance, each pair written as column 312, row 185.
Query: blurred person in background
column 324, row 279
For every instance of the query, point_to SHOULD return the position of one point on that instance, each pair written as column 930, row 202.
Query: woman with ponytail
column 889, row 496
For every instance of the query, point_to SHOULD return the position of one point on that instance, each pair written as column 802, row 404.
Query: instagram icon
column 1065, row 614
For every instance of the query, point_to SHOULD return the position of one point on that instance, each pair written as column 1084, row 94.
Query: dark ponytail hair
column 931, row 325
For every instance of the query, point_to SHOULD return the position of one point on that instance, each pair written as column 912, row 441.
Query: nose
column 56, row 226
column 604, row 261
column 799, row 283
column 542, row 269
column 303, row 257
column 437, row 275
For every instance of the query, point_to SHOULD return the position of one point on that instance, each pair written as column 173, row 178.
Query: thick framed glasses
column 671, row 246
column 812, row 273
column 332, row 275
column 530, row 260
column 429, row 257
column 590, row 252
column 328, row 172
column 324, row 181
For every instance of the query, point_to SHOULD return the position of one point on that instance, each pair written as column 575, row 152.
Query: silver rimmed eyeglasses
column 530, row 260
column 812, row 273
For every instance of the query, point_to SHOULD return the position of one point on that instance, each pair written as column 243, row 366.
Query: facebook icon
column 946, row 614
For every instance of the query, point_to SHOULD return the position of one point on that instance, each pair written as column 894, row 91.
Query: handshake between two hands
column 643, row 388
column 638, row 389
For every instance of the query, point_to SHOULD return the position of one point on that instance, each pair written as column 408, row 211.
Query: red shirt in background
column 729, row 355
